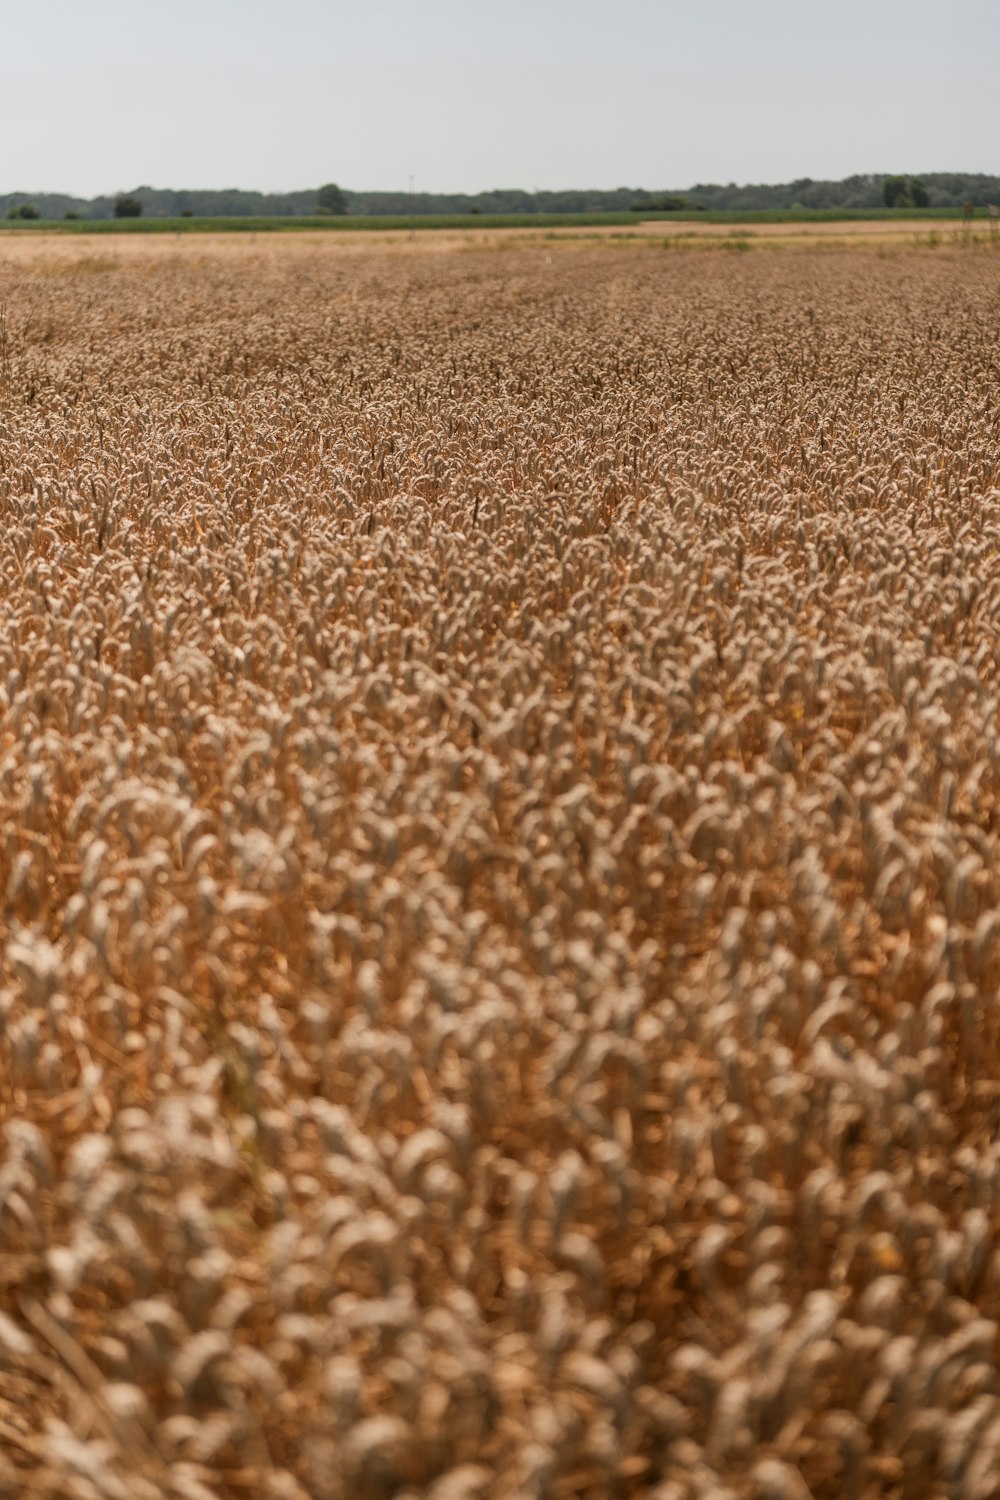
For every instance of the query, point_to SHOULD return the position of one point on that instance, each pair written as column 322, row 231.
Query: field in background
column 266, row 224
column 499, row 773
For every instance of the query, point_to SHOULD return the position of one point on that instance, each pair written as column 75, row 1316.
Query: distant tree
column 919, row 196
column 187, row 213
column 660, row 203
column 330, row 199
column 71, row 213
column 23, row 211
column 894, row 193
column 127, row 207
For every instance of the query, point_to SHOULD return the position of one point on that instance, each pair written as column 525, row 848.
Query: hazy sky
column 102, row 95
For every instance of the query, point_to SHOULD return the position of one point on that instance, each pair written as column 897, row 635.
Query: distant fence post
column 994, row 212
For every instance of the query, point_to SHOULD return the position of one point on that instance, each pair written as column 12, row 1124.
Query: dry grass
column 499, row 768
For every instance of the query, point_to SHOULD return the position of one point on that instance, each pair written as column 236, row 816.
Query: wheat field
column 499, row 770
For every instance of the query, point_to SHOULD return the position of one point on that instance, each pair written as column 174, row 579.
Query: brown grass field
column 499, row 829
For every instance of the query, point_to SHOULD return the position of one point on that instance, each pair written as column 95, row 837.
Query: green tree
column 894, row 194
column 127, row 207
column 23, row 211
column 660, row 203
column 330, row 199
column 919, row 196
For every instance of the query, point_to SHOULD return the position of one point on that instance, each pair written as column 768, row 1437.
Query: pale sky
column 459, row 96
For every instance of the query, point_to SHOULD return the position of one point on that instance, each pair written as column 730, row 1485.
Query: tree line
column 869, row 190
column 863, row 190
